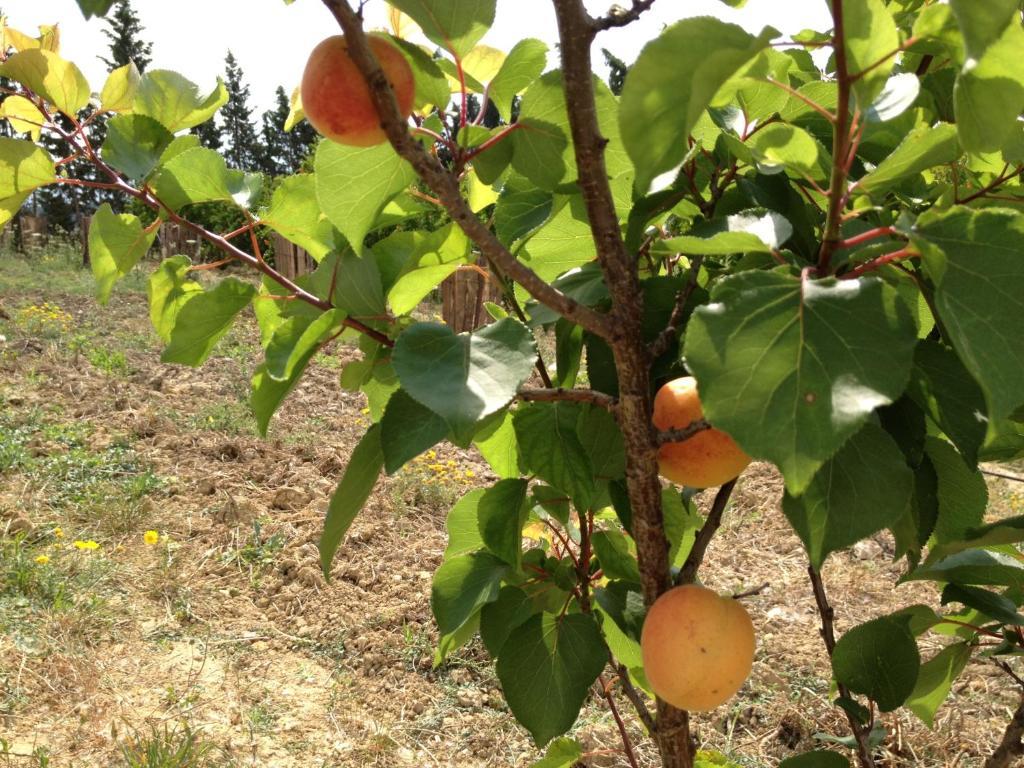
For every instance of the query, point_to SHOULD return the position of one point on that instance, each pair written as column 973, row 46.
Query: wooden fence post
column 463, row 296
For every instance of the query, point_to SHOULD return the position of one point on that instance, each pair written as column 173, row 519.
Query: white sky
column 271, row 40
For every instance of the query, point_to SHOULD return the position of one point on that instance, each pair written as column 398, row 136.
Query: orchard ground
column 226, row 627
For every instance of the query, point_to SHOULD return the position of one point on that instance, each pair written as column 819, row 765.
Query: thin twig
column 621, row 17
column 688, row 573
column 662, row 344
column 556, row 394
column 1004, row 475
column 633, row 695
column 627, row 743
column 828, row 635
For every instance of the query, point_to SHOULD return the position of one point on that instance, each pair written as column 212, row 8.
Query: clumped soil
column 227, row 626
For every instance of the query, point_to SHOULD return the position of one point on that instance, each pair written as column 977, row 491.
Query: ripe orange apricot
column 707, row 459
column 335, row 96
column 697, row 646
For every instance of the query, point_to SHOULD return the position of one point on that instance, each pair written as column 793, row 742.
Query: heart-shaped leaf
column 464, row 377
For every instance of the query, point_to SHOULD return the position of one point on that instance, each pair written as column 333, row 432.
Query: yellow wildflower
column 42, row 559
column 431, row 455
column 470, row 473
column 58, row 532
column 151, row 537
column 90, row 544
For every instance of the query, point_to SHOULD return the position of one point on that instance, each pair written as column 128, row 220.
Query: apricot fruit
column 337, row 100
column 698, row 647
column 707, row 459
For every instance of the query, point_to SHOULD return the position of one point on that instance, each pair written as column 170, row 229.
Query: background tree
column 242, row 149
column 617, row 71
column 281, row 151
column 124, row 30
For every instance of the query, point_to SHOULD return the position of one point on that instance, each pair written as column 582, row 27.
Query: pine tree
column 123, row 31
column 617, row 71
column 243, row 150
column 283, row 152
column 210, row 134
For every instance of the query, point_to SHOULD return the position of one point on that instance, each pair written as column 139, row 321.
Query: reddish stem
column 881, row 261
column 864, row 237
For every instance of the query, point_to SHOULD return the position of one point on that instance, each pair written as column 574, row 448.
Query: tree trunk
column 1011, row 747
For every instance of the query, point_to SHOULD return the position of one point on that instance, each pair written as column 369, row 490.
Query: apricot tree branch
column 620, row 17
column 633, row 694
column 1011, row 746
column 663, row 343
column 840, row 144
column 688, row 573
column 828, row 635
column 556, row 394
column 444, row 184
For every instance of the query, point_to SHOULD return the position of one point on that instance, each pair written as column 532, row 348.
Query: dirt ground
column 225, row 627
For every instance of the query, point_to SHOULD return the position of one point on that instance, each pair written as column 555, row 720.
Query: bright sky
column 271, row 40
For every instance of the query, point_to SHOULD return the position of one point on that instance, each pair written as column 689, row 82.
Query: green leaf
column 116, row 244
column 962, row 492
column 972, row 567
column 23, row 168
column 295, row 339
column 546, row 668
column 523, row 65
column 601, row 438
column 563, row 242
column 945, row 390
column 899, row 94
column 168, row 290
column 355, row 488
column 451, row 642
column 751, row 231
column 671, row 84
column 542, row 144
column 135, row 144
column 982, row 24
column 200, row 175
column 175, row 102
column 407, row 430
column 989, row 93
column 996, row 607
column 562, row 753
column 455, row 25
column 1008, row 531
column 501, row 513
column 870, row 35
column 498, row 619
column 353, row 184
column 268, row 393
column 925, row 147
column 819, row 758
column 613, row 552
column 462, row 585
column 550, row 448
column 430, row 86
column 58, row 81
column 792, row 369
column 498, row 445
column 203, row 319
column 118, row 94
column 92, row 8
column 463, row 525
column 568, row 353
column 464, row 377
column 838, row 509
column 23, row 116
column 294, row 213
column 521, row 209
column 880, row 660
column 358, row 288
column 435, row 256
column 973, row 257
column 781, row 147
column 935, row 680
